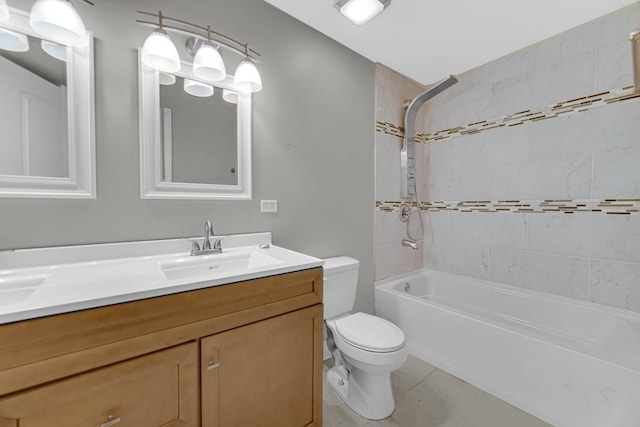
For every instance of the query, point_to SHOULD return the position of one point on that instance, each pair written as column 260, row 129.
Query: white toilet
column 365, row 348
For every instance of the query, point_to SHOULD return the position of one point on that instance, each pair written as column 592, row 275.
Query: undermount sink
column 224, row 264
column 16, row 288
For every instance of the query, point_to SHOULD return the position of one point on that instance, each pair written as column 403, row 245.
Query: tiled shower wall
column 532, row 171
column 550, row 202
column 391, row 258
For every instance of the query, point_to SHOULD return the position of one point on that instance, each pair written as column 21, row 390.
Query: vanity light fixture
column 247, row 78
column 196, row 88
column 4, row 10
column 230, row 96
column 57, row 20
column 205, row 46
column 361, row 11
column 55, row 50
column 13, row 41
column 207, row 63
column 166, row 79
column 159, row 52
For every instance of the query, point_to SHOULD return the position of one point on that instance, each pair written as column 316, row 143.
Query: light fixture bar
column 201, row 32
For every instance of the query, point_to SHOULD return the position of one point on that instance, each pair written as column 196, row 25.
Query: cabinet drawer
column 159, row 389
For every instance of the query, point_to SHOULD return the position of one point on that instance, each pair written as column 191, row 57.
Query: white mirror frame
column 151, row 184
column 81, row 182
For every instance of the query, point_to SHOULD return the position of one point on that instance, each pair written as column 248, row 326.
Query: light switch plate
column 269, row 206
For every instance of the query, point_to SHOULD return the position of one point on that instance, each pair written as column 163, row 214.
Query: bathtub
column 567, row 362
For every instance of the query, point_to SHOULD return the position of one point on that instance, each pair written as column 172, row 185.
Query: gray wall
column 313, row 143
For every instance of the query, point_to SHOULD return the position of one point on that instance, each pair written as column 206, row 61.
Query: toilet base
column 368, row 394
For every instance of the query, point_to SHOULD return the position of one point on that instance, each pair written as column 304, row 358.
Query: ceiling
column 427, row 40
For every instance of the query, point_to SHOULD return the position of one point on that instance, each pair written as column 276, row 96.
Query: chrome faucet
column 206, row 242
column 410, row 243
column 208, row 232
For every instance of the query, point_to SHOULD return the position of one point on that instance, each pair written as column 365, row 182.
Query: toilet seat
column 370, row 333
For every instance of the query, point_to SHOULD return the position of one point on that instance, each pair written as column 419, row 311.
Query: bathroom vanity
column 212, row 351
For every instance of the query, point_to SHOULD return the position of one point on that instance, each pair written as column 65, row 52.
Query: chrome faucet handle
column 217, row 244
column 195, row 247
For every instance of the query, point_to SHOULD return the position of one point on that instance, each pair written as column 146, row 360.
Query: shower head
column 418, row 101
column 407, row 152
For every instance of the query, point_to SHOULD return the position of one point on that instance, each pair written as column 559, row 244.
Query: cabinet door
column 159, row 389
column 267, row 374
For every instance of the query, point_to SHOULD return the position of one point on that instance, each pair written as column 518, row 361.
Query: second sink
column 217, row 265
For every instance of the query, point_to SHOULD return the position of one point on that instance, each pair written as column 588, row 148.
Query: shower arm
column 407, row 151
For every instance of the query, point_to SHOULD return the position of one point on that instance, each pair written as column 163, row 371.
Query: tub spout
column 410, row 243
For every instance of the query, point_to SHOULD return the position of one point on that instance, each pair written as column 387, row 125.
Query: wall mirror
column 193, row 143
column 47, row 147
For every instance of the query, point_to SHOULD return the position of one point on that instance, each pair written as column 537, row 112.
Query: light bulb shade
column 57, row 20
column 159, row 52
column 166, row 79
column 247, row 78
column 195, row 88
column 230, row 96
column 208, row 64
column 55, row 50
column 4, row 10
column 361, row 11
column 13, row 41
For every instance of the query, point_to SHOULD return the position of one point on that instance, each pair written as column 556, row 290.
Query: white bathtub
column 567, row 362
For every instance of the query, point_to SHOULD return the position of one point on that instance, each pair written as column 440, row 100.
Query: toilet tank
column 339, row 285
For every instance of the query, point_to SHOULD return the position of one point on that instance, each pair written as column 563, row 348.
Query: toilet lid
column 370, row 332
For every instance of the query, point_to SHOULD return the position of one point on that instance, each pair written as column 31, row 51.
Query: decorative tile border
column 390, row 129
column 579, row 206
column 571, row 106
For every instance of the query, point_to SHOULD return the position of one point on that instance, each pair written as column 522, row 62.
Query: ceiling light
column 361, row 11
column 196, row 88
column 57, row 20
column 247, row 78
column 230, row 96
column 208, row 64
column 4, row 10
column 166, row 79
column 55, row 50
column 159, row 52
column 13, row 41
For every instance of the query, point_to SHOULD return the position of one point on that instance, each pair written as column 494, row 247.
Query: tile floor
column 429, row 397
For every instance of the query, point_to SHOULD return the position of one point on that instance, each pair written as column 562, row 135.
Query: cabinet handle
column 211, row 366
column 112, row 421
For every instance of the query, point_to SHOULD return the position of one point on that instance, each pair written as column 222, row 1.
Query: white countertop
column 43, row 282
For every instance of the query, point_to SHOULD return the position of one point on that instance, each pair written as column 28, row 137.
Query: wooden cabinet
column 262, row 374
column 159, row 389
column 245, row 354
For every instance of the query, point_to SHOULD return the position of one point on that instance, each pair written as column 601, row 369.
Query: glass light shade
column 361, row 11
column 57, row 20
column 13, row 41
column 4, row 10
column 208, row 64
column 166, row 79
column 159, row 52
column 56, row 50
column 230, row 96
column 247, row 78
column 196, row 88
